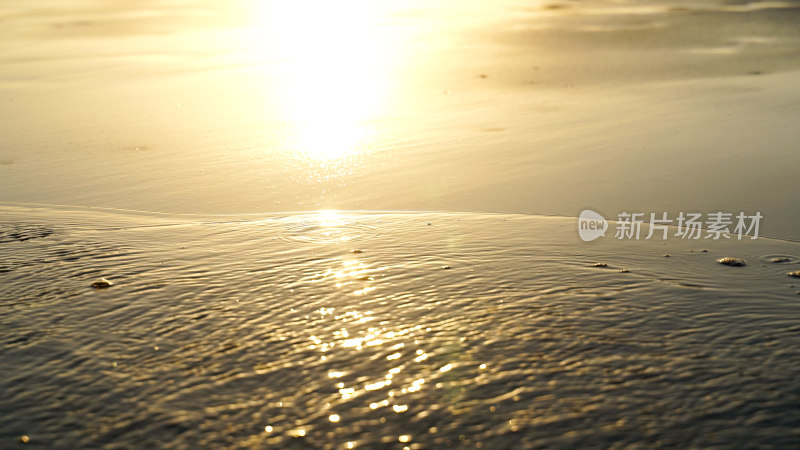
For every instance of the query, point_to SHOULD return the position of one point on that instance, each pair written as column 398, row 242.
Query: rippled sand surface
column 461, row 330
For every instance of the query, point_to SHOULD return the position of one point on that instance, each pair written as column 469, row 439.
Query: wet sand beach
column 351, row 224
column 520, row 107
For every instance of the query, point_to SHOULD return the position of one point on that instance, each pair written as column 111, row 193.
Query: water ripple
column 274, row 332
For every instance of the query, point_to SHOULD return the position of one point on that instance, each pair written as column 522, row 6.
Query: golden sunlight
column 329, row 218
column 329, row 72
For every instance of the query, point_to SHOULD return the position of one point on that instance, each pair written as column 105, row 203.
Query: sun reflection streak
column 354, row 333
column 330, row 79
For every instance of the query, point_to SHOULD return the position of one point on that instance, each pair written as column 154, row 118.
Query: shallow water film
column 425, row 330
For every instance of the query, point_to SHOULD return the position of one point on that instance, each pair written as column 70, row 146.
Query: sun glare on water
column 329, row 72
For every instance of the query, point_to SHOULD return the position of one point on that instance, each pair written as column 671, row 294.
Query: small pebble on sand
column 600, row 265
column 731, row 261
column 795, row 274
column 102, row 283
